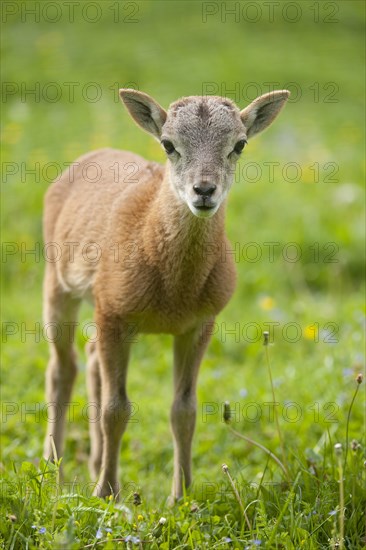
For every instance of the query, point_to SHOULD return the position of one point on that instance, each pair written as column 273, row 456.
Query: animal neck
column 182, row 246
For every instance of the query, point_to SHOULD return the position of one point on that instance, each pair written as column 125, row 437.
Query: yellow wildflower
column 267, row 303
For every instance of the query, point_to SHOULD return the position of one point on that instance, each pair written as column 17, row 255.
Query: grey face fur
column 203, row 138
column 204, row 132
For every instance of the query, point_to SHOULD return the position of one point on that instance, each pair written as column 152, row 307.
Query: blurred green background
column 314, row 198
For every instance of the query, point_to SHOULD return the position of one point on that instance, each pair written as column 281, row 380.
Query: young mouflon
column 132, row 237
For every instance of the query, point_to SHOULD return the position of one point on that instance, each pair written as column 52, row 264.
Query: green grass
column 318, row 345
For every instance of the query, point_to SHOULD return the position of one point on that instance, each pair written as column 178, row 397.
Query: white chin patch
column 203, row 213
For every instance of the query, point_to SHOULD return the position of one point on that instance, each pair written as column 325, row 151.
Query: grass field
column 296, row 221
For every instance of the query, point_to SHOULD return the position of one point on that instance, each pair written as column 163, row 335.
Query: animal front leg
column 113, row 352
column 188, row 352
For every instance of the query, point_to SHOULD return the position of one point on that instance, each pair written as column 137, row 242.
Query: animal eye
column 239, row 146
column 168, row 146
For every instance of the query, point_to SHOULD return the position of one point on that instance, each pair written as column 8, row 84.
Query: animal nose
column 204, row 189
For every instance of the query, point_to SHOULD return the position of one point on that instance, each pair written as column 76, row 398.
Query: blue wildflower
column 347, row 372
column 134, row 540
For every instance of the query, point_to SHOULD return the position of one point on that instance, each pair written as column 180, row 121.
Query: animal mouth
column 204, row 204
column 203, row 208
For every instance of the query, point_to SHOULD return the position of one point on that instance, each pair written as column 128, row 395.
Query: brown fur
column 159, row 269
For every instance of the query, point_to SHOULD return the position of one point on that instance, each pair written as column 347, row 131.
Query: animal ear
column 144, row 110
column 262, row 111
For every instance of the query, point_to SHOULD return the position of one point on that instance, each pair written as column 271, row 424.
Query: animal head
column 203, row 138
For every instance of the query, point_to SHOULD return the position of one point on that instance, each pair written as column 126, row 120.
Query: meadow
column 296, row 220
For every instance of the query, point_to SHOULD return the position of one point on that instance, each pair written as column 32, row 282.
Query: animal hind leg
column 60, row 313
column 94, row 406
